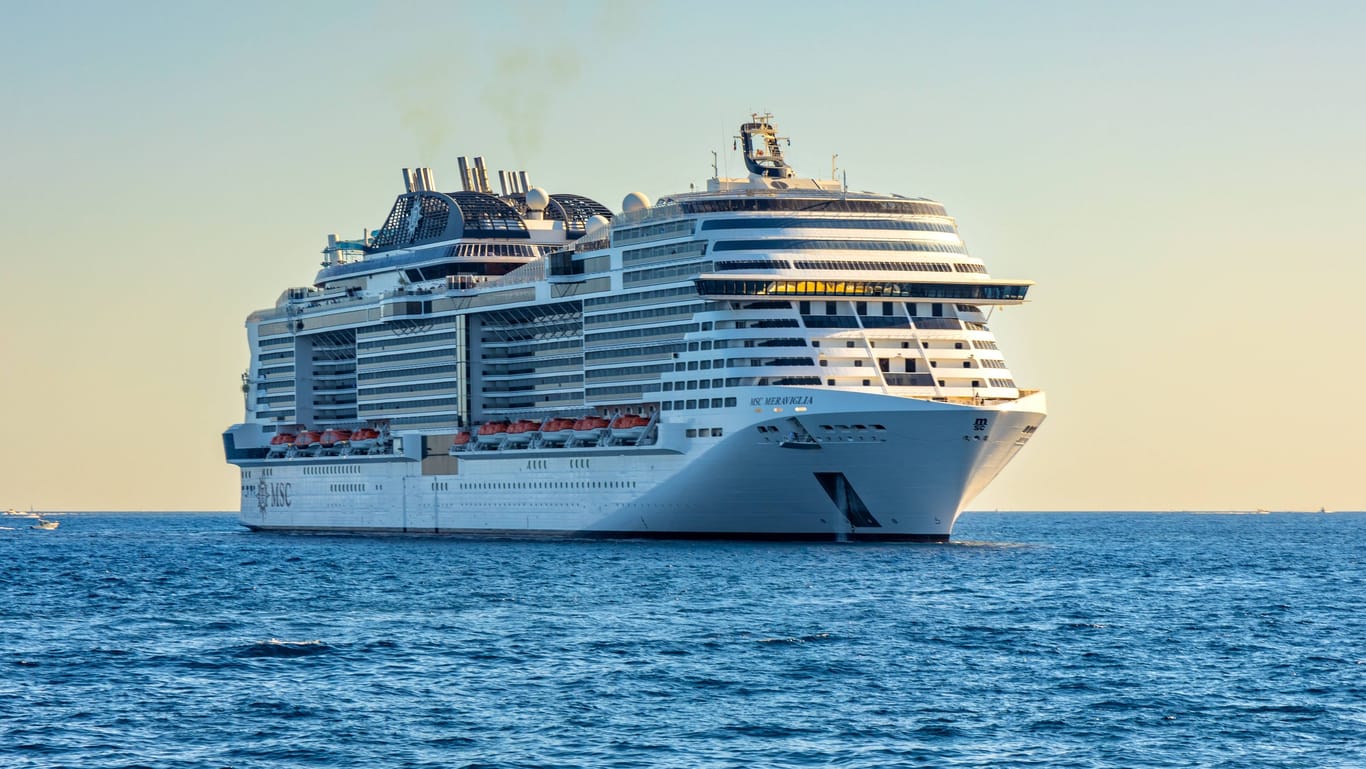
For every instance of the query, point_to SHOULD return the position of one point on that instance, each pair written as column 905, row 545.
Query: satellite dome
column 596, row 227
column 537, row 199
column 635, row 201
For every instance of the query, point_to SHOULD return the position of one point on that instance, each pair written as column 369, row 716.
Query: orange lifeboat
column 522, row 431
column 589, row 429
column 307, row 438
column 364, row 439
column 333, row 437
column 556, row 431
column 492, row 433
column 629, row 427
column 281, row 442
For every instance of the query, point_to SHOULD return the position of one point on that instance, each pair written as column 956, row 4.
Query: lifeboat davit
column 589, row 429
column 364, row 439
column 492, row 433
column 629, row 427
column 334, row 438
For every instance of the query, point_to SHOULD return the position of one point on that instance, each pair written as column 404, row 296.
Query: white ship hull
column 899, row 469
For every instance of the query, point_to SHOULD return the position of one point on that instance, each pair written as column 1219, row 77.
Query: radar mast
column 763, row 153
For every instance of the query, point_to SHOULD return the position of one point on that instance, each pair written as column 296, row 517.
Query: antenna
column 832, row 165
column 846, row 182
column 715, row 172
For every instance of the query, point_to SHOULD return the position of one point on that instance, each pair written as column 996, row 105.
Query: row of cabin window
column 662, row 293
column 381, row 344
column 427, row 403
column 660, row 273
column 725, row 344
column 679, row 250
column 636, row 333
column 528, row 385
column 446, row 420
column 416, row 387
column 524, row 349
column 632, row 389
column 549, row 485
column 539, row 399
column 704, row 432
column 888, row 308
column 910, row 364
column 274, row 400
column 829, row 205
column 693, row 403
column 531, row 330
column 384, row 360
column 636, row 352
column 657, row 312
column 673, row 229
column 706, row 365
column 794, row 222
column 817, row 244
column 519, row 367
column 604, row 373
column 331, row 470
column 409, row 373
column 905, row 345
column 893, row 382
column 831, row 264
column 698, row 384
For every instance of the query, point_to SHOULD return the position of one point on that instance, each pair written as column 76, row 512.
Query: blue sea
column 1033, row 640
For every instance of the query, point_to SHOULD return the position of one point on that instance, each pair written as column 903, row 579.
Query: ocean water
column 1033, row 640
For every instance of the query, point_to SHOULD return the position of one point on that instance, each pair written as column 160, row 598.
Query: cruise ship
column 773, row 357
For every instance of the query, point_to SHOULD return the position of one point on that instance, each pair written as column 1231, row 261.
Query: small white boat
column 45, row 524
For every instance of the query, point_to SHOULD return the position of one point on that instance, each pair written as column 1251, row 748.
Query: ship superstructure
column 774, row 356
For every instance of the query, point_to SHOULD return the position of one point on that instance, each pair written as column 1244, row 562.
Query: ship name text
column 783, row 400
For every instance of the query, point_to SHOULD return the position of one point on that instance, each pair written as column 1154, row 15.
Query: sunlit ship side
column 773, row 357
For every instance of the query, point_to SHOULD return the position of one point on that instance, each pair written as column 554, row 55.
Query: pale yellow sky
column 1184, row 182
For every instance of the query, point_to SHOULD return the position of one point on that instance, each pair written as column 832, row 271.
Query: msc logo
column 272, row 494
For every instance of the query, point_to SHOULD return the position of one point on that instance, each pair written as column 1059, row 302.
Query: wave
column 278, row 648
column 801, row 639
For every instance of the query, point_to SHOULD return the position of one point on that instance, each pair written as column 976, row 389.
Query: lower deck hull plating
column 861, row 468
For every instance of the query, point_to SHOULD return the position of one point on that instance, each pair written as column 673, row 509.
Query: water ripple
column 1068, row 640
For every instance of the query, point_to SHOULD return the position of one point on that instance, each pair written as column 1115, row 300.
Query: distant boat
column 45, row 524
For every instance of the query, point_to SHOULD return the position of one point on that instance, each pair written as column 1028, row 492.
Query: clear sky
column 1185, row 180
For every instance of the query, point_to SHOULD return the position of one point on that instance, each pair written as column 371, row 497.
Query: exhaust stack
column 481, row 175
column 466, row 181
